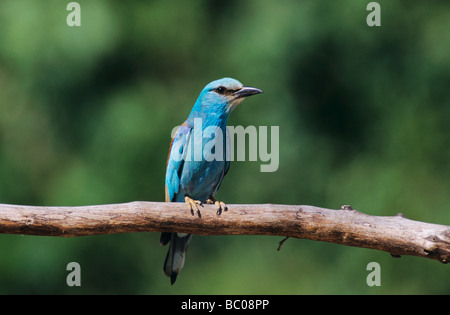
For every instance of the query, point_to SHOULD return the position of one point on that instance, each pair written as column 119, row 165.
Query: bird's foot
column 220, row 205
column 193, row 205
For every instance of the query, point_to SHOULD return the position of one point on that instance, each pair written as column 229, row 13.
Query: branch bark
column 396, row 235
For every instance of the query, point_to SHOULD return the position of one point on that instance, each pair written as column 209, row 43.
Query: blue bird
column 199, row 159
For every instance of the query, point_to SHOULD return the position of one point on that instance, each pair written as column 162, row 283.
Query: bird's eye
column 221, row 90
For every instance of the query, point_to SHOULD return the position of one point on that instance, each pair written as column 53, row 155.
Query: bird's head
column 223, row 95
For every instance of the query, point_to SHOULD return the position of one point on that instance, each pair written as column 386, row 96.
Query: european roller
column 198, row 159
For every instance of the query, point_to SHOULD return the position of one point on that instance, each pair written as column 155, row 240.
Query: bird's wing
column 175, row 161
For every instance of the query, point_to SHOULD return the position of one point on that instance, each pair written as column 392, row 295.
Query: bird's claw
column 220, row 205
column 193, row 205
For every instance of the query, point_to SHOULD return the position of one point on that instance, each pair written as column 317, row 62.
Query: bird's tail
column 175, row 256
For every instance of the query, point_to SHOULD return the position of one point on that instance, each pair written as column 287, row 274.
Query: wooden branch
column 396, row 235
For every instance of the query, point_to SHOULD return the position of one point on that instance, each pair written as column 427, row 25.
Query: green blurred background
column 86, row 114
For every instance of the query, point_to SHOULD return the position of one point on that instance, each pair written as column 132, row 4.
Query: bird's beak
column 246, row 91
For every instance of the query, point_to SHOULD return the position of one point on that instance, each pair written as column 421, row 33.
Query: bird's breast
column 199, row 179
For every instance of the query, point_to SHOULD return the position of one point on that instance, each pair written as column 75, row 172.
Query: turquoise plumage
column 197, row 161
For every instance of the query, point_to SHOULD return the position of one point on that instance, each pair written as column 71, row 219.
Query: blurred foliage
column 86, row 114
